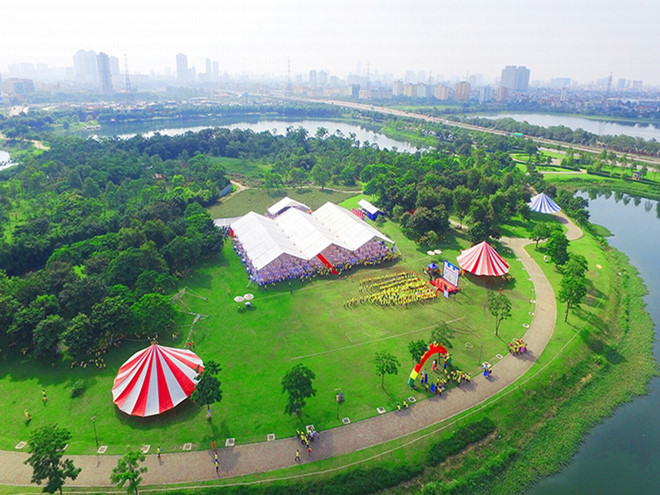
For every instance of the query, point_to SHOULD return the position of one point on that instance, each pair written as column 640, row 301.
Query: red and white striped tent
column 155, row 380
column 482, row 259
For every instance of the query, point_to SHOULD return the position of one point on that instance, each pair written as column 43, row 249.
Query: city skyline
column 552, row 39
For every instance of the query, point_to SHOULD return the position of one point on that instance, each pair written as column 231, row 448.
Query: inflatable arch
column 434, row 348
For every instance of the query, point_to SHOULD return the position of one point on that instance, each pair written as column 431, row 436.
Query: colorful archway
column 434, row 348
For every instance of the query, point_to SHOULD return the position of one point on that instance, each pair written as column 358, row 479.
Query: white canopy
column 263, row 240
column 301, row 235
column 284, row 204
column 352, row 231
column 306, row 232
column 368, row 207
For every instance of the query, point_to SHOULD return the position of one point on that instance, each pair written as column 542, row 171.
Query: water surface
column 600, row 127
column 621, row 455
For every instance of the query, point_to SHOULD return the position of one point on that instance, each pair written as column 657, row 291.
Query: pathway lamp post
column 95, row 435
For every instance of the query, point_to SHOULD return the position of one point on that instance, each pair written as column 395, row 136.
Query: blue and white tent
column 543, row 203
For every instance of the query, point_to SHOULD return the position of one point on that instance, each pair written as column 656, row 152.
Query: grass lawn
column 259, row 200
column 257, row 347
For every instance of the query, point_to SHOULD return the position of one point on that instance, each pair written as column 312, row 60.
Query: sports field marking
column 371, row 341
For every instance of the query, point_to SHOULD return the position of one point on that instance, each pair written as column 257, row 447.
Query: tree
column 154, row 313
column 417, row 348
column 128, row 470
column 557, row 247
column 386, row 364
column 47, row 448
column 298, row 384
column 500, row 307
column 572, row 289
column 47, row 333
column 207, row 391
column 540, row 232
column 441, row 334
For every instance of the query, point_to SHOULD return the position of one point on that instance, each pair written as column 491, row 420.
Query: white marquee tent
column 297, row 243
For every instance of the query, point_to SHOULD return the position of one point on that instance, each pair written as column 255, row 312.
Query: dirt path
column 267, row 456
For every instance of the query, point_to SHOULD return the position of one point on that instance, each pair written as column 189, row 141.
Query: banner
column 451, row 273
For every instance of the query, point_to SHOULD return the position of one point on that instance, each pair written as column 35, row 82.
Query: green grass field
column 259, row 200
column 257, row 347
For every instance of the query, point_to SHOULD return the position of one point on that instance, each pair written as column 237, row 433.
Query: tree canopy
column 46, row 446
column 297, row 383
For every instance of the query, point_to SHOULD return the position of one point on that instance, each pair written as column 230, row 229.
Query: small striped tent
column 482, row 259
column 542, row 203
column 155, row 380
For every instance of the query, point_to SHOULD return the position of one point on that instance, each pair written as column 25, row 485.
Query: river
column 620, row 455
column 173, row 128
column 600, row 127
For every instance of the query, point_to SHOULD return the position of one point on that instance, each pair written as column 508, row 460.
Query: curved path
column 267, row 456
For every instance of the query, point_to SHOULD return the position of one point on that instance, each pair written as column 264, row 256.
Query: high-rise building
column 410, row 90
column 397, row 88
column 484, row 94
column 182, row 72
column 323, row 78
column 85, row 67
column 105, row 77
column 502, row 94
column 216, row 70
column 441, row 92
column 312, row 78
column 515, row 78
column 423, row 91
column 462, row 91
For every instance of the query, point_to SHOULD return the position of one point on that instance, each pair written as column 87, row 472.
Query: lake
column 621, row 454
column 174, row 128
column 600, row 127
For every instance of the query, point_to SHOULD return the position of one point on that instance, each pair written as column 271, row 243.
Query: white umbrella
column 248, row 297
column 430, row 253
column 438, row 251
column 238, row 299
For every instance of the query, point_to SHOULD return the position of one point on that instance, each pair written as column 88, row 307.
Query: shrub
column 78, row 387
column 460, row 439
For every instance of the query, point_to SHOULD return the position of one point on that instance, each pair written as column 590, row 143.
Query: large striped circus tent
column 542, row 203
column 155, row 380
column 482, row 259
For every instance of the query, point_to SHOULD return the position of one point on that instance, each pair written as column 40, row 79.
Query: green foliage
column 417, row 348
column 442, row 334
column 572, row 289
column 386, row 364
column 153, row 314
column 500, row 307
column 557, row 247
column 46, row 450
column 207, row 391
column 128, row 470
column 78, row 387
column 46, row 334
column 298, row 384
column 460, row 439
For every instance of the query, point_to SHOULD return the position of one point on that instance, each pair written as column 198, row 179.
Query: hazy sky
column 585, row 40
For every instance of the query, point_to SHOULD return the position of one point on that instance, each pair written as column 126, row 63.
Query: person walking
column 159, row 451
column 297, row 456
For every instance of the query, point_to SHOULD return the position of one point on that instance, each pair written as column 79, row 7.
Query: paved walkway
column 262, row 457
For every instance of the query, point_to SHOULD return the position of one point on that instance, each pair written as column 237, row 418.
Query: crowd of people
column 401, row 289
column 517, row 347
column 288, row 267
